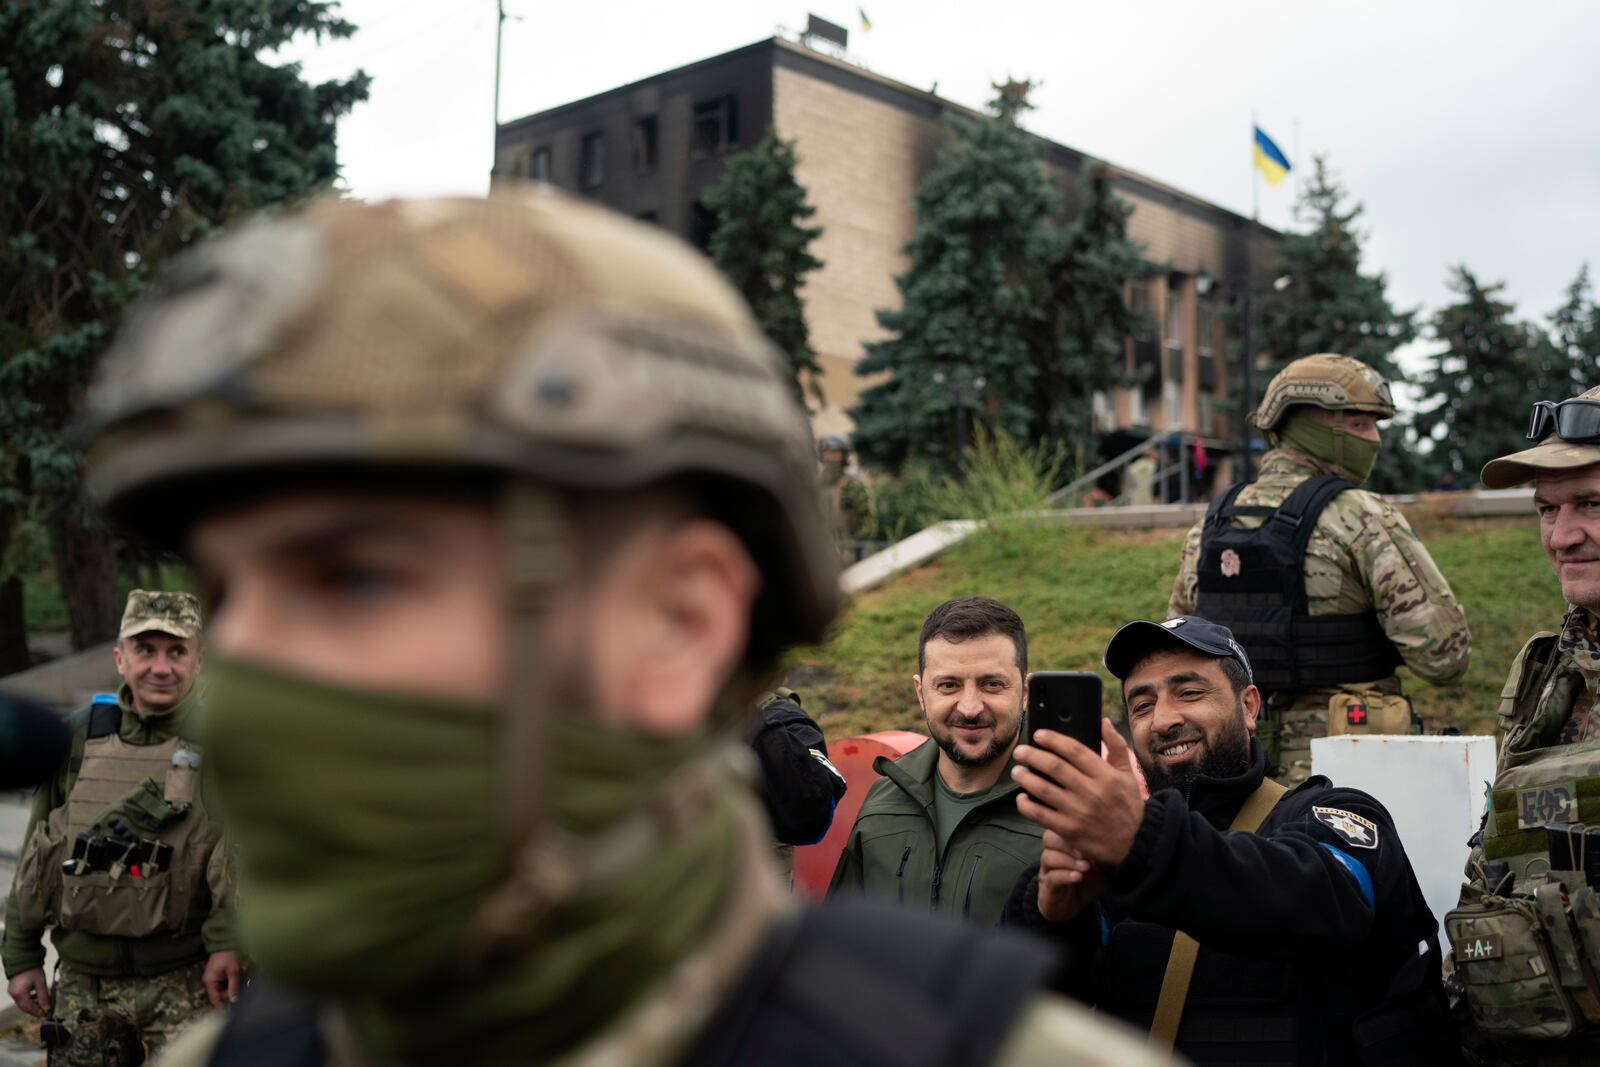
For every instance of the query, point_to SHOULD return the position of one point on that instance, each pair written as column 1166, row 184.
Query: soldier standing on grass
column 1324, row 583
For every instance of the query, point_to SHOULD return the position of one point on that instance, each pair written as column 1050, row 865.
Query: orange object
column 814, row 864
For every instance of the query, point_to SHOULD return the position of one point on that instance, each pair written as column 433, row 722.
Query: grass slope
column 1073, row 587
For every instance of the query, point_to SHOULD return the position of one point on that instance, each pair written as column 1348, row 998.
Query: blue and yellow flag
column 866, row 23
column 1270, row 159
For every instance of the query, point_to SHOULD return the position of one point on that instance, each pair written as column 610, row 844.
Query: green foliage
column 1000, row 481
column 961, row 344
column 762, row 244
column 1481, row 385
column 1333, row 306
column 128, row 128
column 1084, row 269
column 1572, row 356
column 1074, row 587
column 1007, row 320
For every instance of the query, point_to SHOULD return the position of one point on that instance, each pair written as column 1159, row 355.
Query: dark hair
column 965, row 617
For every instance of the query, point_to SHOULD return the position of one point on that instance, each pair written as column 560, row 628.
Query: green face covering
column 367, row 834
column 1352, row 455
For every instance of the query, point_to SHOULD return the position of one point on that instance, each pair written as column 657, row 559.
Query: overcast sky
column 1468, row 129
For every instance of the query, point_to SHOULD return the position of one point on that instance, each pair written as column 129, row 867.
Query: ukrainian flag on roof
column 1270, row 159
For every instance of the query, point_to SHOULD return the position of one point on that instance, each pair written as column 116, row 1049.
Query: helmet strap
column 1338, row 446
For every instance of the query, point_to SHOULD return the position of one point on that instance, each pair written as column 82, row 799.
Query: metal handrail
column 1105, row 468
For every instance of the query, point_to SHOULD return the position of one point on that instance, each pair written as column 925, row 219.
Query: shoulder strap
column 1185, row 949
column 269, row 1028
column 859, row 983
column 1305, row 504
column 104, row 720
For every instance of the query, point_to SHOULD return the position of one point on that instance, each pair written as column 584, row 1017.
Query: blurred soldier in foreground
column 1527, row 937
column 799, row 784
column 509, row 509
column 1295, row 913
column 116, row 857
column 1324, row 584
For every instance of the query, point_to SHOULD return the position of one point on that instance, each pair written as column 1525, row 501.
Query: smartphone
column 1067, row 702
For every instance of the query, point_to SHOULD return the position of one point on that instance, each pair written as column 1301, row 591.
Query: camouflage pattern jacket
column 1363, row 556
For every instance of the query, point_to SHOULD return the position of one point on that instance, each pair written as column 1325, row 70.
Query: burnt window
column 645, row 142
column 539, row 164
column 716, row 125
column 592, row 160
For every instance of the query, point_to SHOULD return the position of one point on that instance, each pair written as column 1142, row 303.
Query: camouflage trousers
column 114, row 1022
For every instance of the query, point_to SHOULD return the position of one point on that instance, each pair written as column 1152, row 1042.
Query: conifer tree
column 128, row 128
column 962, row 343
column 1482, row 383
column 762, row 244
column 1085, row 269
column 1573, row 358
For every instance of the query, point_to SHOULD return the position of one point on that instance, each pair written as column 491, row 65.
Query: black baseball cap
column 1136, row 640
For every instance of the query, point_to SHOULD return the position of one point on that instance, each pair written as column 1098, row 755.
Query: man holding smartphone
column 939, row 829
column 1233, row 919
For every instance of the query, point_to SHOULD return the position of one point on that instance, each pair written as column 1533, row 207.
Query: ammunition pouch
column 1361, row 714
column 1528, row 960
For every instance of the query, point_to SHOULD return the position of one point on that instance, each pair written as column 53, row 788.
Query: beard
column 1225, row 756
column 946, row 740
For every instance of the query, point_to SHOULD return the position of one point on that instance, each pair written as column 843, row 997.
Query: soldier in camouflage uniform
column 1320, row 415
column 1527, row 936
column 508, row 505
column 133, row 971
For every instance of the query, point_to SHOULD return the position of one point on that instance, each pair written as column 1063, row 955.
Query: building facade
column 864, row 142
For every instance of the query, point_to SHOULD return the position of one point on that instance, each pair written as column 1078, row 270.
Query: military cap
column 1136, row 640
column 525, row 334
column 1550, row 454
column 1324, row 380
column 154, row 610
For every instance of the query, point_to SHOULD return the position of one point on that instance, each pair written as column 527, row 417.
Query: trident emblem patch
column 1231, row 564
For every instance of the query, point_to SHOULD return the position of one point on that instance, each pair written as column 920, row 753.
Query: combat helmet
column 1324, row 380
column 526, row 333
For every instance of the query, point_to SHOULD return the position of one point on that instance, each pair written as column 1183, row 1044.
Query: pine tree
column 1085, row 269
column 962, row 341
column 1481, row 385
column 762, row 244
column 1573, row 357
column 128, row 128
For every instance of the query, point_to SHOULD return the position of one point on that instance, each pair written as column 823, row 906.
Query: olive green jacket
column 893, row 848
column 100, row 954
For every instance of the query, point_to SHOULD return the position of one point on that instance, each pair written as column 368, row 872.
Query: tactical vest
column 1528, row 946
column 126, row 855
column 852, row 984
column 1253, row 582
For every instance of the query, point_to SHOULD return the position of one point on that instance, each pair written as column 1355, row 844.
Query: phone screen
column 1067, row 702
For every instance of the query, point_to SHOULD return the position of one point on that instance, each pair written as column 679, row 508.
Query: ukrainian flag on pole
column 1270, row 159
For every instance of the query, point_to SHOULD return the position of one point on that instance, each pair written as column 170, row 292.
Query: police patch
column 1351, row 828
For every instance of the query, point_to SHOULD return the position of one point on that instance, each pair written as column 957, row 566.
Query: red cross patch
column 1356, row 715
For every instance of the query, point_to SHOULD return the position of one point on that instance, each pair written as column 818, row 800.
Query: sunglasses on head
column 1576, row 421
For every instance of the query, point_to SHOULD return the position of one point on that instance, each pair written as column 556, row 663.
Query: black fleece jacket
column 1316, row 946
